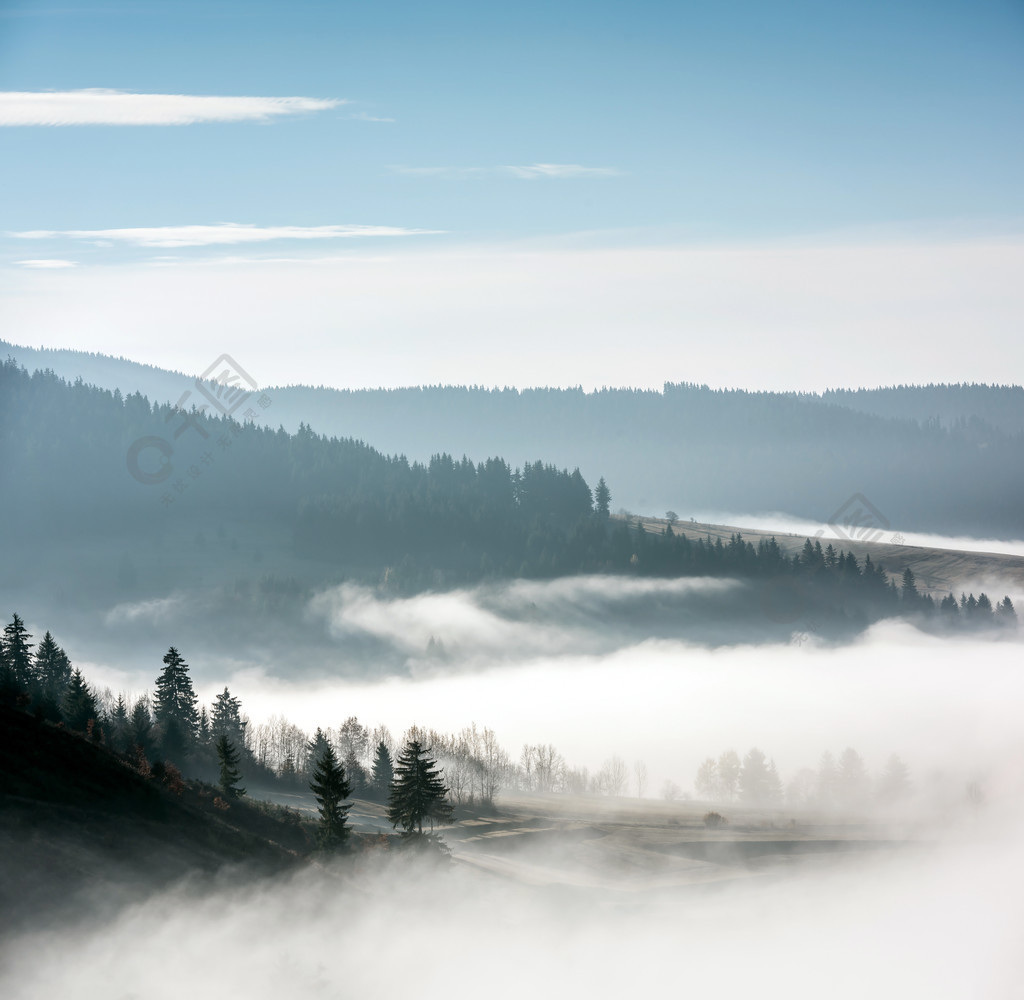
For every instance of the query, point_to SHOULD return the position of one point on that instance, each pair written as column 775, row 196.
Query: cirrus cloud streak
column 46, row 265
column 96, row 106
column 531, row 172
column 220, row 234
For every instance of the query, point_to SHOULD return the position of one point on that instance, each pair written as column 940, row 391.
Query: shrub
column 713, row 819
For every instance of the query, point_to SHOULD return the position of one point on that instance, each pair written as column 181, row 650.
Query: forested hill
column 963, row 404
column 81, row 462
column 948, row 459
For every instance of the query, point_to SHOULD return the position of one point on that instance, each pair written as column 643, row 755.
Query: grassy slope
column 937, row 570
column 79, row 828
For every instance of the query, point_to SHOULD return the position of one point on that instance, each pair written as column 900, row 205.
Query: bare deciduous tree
column 640, row 776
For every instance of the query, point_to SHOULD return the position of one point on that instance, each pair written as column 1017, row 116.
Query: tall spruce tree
column 356, row 774
column 383, row 770
column 140, row 727
column 16, row 663
column 331, row 789
column 226, row 719
column 175, row 706
column 418, row 792
column 79, row 704
column 315, row 747
column 1006, row 615
column 602, row 499
column 118, row 724
column 52, row 668
column 230, row 776
column 909, row 593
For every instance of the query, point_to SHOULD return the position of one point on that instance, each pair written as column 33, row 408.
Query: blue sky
column 464, row 130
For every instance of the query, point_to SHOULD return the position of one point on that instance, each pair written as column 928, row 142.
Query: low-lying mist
column 941, row 921
column 567, row 663
column 601, row 896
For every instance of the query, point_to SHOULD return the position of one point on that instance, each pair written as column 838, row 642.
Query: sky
column 788, row 196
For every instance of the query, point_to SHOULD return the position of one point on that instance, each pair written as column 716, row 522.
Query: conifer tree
column 383, row 769
column 983, row 611
column 119, row 723
column 230, row 776
column 331, row 789
column 894, row 784
column 755, row 779
column 51, row 668
column 226, row 719
column 203, row 733
column 287, row 772
column 79, row 704
column 1005, row 613
column 315, row 748
column 418, row 792
column 355, row 772
column 908, row 592
column 949, row 609
column 602, row 499
column 140, row 727
column 175, row 705
column 16, row 664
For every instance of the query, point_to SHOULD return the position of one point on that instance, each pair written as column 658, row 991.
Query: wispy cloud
column 117, row 107
column 531, row 172
column 362, row 116
column 223, row 233
column 46, row 265
column 560, row 170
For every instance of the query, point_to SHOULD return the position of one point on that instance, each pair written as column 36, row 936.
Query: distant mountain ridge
column 944, row 458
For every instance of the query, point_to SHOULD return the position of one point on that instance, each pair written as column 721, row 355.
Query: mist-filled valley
column 456, row 718
column 568, row 875
column 511, row 501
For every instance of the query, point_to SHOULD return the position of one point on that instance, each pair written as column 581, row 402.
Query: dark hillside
column 80, row 828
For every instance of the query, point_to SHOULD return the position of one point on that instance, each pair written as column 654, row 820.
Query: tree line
column 407, row 526
column 420, row 778
column 843, row 783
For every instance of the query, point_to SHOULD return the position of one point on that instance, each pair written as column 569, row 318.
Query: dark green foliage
column 140, row 727
column 226, row 719
column 175, row 741
column 175, row 706
column 118, row 724
column 52, row 669
column 908, row 592
column 79, row 704
column 383, row 770
column 1006, row 614
column 17, row 670
column 418, row 792
column 357, row 514
column 204, row 733
column 331, row 789
column 602, row 499
column 315, row 748
column 358, row 779
column 230, row 776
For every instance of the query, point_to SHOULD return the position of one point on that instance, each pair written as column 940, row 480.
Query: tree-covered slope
column 942, row 458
